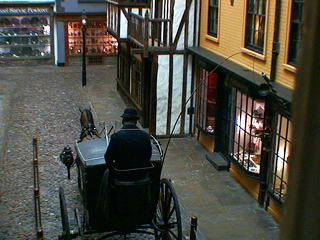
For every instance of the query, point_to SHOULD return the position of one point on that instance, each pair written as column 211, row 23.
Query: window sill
column 253, row 54
column 290, row 68
column 210, row 134
column 212, row 39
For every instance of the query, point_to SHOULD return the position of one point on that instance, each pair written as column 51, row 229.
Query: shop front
column 26, row 32
column 100, row 46
column 247, row 123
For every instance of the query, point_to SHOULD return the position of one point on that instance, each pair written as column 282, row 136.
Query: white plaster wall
column 162, row 94
column 123, row 26
column 179, row 9
column 192, row 21
column 72, row 6
column 59, row 52
column 177, row 92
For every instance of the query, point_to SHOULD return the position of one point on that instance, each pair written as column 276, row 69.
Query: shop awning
column 248, row 74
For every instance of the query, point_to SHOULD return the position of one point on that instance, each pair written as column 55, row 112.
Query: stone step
column 217, row 161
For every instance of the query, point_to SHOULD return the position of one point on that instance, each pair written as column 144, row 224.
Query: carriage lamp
column 66, row 157
column 84, row 24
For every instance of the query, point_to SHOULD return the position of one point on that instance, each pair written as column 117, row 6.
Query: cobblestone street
column 44, row 104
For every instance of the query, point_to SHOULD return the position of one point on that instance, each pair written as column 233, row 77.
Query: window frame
column 207, row 110
column 255, row 36
column 245, row 142
column 213, row 18
column 279, row 154
column 296, row 21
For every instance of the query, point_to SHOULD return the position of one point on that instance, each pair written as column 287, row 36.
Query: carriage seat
column 131, row 191
column 127, row 196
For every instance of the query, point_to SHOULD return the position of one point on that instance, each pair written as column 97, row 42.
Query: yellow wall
column 231, row 35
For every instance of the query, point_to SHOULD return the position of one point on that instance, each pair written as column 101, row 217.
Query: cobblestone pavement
column 44, row 104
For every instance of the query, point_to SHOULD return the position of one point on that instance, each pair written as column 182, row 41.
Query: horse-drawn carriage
column 119, row 202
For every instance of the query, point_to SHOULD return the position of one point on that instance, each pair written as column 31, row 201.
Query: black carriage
column 138, row 200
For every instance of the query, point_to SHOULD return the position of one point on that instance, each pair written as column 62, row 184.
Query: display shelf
column 98, row 40
column 250, row 161
column 25, row 36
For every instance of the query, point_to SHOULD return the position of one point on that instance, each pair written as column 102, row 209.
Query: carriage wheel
column 168, row 216
column 64, row 215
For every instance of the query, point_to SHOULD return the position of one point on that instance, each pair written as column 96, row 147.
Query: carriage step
column 217, row 161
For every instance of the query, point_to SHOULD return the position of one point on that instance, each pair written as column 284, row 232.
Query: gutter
column 276, row 43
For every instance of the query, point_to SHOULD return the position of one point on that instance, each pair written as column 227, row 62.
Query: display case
column 98, row 40
column 25, row 36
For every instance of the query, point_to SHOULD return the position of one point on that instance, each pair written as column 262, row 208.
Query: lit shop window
column 98, row 40
column 248, row 127
column 25, row 36
column 207, row 96
column 278, row 171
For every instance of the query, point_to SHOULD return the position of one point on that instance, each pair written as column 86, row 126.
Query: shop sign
column 24, row 10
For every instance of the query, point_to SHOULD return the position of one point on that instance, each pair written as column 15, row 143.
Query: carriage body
column 129, row 204
column 91, row 168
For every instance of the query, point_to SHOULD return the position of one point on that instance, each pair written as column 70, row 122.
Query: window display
column 207, row 97
column 98, row 40
column 25, row 36
column 248, row 131
column 278, row 171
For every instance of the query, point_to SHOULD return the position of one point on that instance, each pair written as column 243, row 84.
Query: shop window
column 255, row 26
column 25, row 36
column 98, row 40
column 295, row 32
column 213, row 18
column 207, row 97
column 278, row 171
column 248, row 126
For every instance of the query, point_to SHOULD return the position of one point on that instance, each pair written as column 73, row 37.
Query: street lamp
column 84, row 24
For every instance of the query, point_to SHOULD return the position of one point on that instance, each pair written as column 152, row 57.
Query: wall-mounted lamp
column 266, row 88
column 231, row 2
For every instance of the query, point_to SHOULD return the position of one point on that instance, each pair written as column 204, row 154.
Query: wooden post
column 36, row 191
column 146, row 34
column 193, row 228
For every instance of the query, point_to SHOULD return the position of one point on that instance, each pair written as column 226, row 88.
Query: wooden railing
column 150, row 34
column 112, row 19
